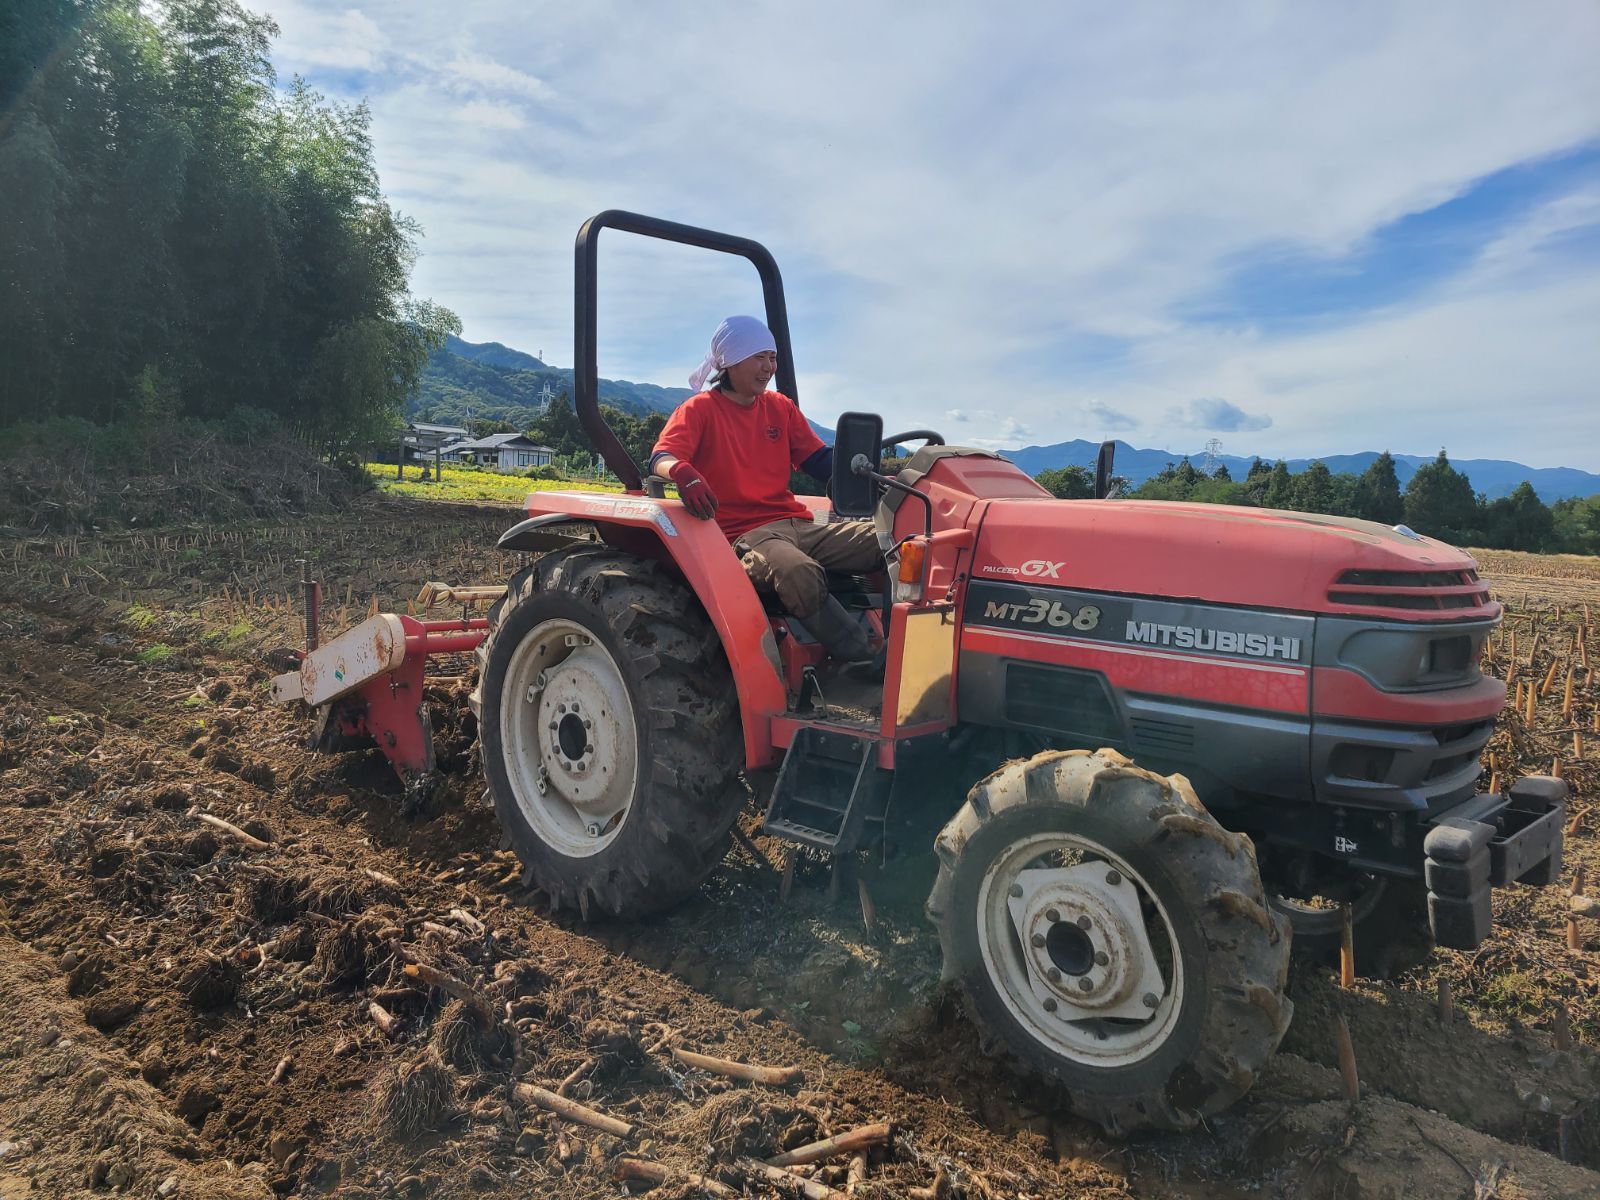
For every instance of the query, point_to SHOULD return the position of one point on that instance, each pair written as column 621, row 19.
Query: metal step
column 827, row 790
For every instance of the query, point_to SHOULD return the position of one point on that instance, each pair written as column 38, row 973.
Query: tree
column 1377, row 493
column 1519, row 521
column 1280, row 490
column 1313, row 489
column 1222, row 473
column 180, row 239
column 1440, row 503
column 1576, row 525
column 1068, row 483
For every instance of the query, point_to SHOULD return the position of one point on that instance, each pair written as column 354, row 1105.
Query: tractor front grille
column 1413, row 591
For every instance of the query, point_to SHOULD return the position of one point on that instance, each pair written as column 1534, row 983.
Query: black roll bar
column 585, row 369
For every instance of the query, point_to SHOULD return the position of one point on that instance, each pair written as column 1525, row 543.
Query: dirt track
column 159, row 972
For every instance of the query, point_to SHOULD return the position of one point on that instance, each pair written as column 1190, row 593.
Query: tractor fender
column 698, row 550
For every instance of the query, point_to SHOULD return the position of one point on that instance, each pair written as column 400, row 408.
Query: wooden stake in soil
column 1533, row 696
column 571, row 1110
column 1574, row 935
column 1347, row 948
column 1550, row 677
column 776, row 1076
column 1566, row 700
column 1347, row 1063
column 786, row 884
column 849, row 1142
column 1561, row 1027
column 1567, row 1138
column 1447, row 1001
column 869, row 911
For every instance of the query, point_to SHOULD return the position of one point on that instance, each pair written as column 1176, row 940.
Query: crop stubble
column 216, row 1000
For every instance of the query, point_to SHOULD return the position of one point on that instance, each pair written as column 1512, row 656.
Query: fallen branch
column 246, row 839
column 778, row 1076
column 571, row 1110
column 785, row 1182
column 651, row 1172
column 848, row 1142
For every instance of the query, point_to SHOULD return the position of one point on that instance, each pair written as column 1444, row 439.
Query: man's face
column 754, row 373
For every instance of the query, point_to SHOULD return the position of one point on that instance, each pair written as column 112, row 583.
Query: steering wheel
column 927, row 436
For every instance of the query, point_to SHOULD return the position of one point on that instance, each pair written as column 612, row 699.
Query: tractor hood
column 1227, row 555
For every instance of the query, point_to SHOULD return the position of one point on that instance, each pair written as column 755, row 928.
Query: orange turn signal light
column 912, row 555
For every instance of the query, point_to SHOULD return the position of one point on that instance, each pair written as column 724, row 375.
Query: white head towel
column 736, row 339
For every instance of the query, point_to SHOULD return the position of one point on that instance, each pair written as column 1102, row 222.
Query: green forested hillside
column 490, row 382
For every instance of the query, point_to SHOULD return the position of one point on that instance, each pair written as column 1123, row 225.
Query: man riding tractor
column 730, row 449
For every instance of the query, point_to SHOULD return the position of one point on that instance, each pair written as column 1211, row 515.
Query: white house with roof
column 502, row 451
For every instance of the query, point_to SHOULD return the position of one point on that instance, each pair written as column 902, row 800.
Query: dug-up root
column 414, row 1097
column 465, row 1037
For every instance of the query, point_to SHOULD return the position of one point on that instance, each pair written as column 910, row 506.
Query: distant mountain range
column 1494, row 477
column 468, row 380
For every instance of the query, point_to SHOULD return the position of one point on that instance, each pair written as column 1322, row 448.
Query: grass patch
column 475, row 486
column 196, row 702
column 231, row 636
column 158, row 653
column 140, row 617
column 1519, row 993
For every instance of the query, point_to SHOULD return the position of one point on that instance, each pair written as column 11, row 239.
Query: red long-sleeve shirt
column 746, row 454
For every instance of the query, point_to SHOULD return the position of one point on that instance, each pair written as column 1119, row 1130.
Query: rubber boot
column 841, row 635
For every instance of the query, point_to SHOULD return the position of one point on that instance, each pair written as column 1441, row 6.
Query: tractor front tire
column 609, row 731
column 1113, row 936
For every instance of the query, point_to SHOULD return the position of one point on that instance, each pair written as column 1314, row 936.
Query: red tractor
column 1191, row 733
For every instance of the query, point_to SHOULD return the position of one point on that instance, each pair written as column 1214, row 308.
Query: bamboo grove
column 181, row 238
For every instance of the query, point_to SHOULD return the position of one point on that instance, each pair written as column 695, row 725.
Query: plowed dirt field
column 185, row 1012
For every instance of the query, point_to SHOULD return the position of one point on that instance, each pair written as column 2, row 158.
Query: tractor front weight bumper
column 1486, row 842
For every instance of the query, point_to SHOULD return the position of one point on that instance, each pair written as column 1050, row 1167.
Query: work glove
column 693, row 490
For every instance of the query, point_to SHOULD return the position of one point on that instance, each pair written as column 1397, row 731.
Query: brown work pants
column 793, row 557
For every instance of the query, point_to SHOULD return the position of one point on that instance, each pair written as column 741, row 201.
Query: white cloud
column 489, row 115
column 489, row 75
column 951, row 215
column 313, row 37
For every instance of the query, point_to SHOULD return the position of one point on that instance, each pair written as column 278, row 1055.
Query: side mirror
column 857, row 436
column 1102, row 469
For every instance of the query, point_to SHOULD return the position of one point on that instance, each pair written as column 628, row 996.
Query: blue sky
column 1302, row 229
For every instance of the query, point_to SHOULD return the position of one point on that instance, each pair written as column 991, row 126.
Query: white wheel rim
column 567, row 725
column 1063, row 903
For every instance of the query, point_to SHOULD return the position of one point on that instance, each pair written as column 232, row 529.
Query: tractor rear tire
column 609, row 731
column 1113, row 936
